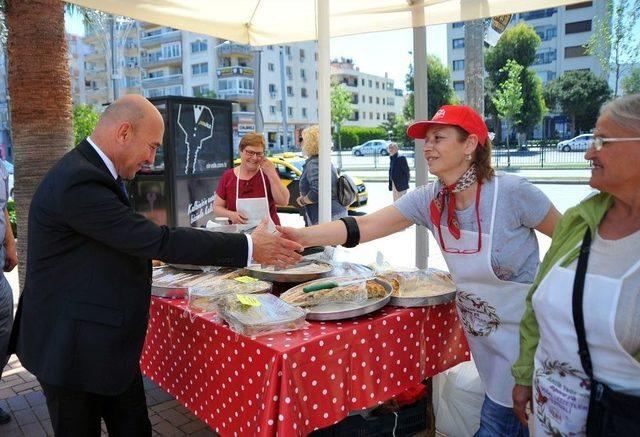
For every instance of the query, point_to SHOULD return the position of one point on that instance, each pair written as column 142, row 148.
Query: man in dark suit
column 398, row 173
column 82, row 316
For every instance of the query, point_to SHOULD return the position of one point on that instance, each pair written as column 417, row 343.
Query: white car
column 373, row 147
column 9, row 168
column 579, row 143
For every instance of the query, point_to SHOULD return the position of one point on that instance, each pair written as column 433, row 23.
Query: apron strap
column 578, row 294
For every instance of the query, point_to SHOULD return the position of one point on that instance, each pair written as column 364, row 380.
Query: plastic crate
column 411, row 420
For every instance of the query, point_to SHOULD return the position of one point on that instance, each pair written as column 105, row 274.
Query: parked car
column 289, row 166
column 579, row 143
column 373, row 147
column 9, row 168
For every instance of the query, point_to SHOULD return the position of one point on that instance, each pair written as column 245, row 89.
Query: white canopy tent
column 263, row 22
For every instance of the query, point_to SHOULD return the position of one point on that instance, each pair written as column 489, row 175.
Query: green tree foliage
column 579, row 94
column 355, row 135
column 341, row 106
column 631, row 83
column 508, row 97
column 439, row 91
column 211, row 94
column 398, row 127
column 614, row 41
column 85, row 119
column 519, row 44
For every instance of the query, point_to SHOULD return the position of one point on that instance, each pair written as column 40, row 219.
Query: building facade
column 373, row 97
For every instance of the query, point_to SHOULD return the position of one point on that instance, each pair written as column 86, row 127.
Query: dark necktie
column 120, row 183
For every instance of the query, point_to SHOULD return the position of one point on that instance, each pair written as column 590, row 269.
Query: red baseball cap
column 456, row 115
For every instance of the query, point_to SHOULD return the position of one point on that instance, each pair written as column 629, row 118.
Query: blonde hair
column 311, row 140
column 482, row 156
column 625, row 111
column 253, row 139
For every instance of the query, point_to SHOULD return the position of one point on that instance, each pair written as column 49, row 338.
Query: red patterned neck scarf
column 446, row 198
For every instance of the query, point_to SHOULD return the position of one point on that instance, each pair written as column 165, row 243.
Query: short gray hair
column 625, row 111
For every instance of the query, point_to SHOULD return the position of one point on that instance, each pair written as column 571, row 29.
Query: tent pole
column 324, row 112
column 420, row 105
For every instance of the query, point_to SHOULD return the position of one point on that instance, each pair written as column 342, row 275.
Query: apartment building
column 564, row 32
column 373, row 97
column 99, row 86
column 5, row 126
column 77, row 51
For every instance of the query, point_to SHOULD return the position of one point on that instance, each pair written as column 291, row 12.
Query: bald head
column 132, row 108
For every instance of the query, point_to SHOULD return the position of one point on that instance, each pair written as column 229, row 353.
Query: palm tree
column 40, row 105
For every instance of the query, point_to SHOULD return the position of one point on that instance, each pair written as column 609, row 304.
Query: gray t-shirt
column 520, row 207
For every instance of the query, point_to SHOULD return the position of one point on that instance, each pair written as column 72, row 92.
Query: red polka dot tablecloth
column 292, row 383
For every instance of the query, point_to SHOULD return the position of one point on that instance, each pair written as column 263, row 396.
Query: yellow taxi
column 289, row 166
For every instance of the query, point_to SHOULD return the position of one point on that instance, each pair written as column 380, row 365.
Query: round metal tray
column 169, row 292
column 186, row 267
column 347, row 310
column 284, row 276
column 422, row 301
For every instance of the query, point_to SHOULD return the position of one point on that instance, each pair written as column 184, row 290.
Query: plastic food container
column 259, row 314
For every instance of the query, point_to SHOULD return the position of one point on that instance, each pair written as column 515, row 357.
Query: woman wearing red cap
column 485, row 225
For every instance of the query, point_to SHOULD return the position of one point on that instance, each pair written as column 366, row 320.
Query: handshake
column 272, row 249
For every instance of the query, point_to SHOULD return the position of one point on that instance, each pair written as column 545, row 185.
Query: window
column 377, row 116
column 383, row 101
column 272, row 88
column 458, row 25
column 290, row 91
column 377, row 100
column 577, row 27
column 290, row 111
column 545, row 57
column 370, row 83
column 574, row 51
column 303, row 92
column 287, row 50
column 546, row 33
column 458, row 43
column 371, row 115
column 362, row 82
column 171, row 50
column 542, row 13
column 579, row 6
column 458, row 65
column 303, row 74
column 199, row 46
column 304, row 112
column 270, row 47
column 200, row 90
column 377, row 84
column 272, row 109
column 289, row 72
column 370, row 99
column 364, row 115
column 384, row 116
column 202, row 68
column 302, row 55
column 271, row 66
column 458, row 85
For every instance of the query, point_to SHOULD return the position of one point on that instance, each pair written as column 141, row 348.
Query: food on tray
column 203, row 298
column 422, row 283
column 265, row 314
column 349, row 293
column 301, row 268
column 375, row 290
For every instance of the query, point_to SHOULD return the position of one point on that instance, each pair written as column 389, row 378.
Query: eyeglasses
column 300, row 139
column 251, row 153
column 598, row 142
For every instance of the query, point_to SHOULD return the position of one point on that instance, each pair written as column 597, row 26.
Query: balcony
column 161, row 38
column 157, row 60
column 235, row 71
column 234, row 49
column 238, row 94
column 152, row 82
column 95, row 73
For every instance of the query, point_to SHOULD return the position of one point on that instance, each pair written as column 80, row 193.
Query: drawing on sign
column 197, row 128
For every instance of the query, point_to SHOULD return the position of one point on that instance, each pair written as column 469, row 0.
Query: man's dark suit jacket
column 82, row 317
column 398, row 172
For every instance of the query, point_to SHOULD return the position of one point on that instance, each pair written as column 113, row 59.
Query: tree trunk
column 40, row 90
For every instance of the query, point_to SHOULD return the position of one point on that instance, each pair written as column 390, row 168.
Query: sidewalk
column 21, row 395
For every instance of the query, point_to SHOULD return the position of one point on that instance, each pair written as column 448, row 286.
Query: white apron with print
column 489, row 308
column 560, row 386
column 255, row 208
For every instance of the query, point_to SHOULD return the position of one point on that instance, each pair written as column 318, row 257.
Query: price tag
column 246, row 279
column 248, row 300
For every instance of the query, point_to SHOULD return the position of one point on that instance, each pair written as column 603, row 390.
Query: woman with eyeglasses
column 484, row 224
column 308, row 199
column 250, row 192
column 586, row 297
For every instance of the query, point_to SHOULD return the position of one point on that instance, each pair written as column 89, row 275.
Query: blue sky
column 391, row 53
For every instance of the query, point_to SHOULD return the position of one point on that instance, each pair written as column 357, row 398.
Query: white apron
column 560, row 386
column 255, row 208
column 490, row 309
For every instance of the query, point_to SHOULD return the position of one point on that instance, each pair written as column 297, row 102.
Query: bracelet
column 353, row 232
